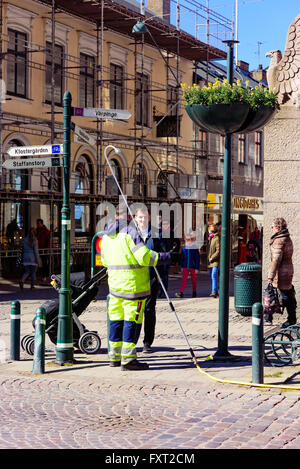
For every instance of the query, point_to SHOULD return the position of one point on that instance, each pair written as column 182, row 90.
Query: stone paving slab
column 170, row 406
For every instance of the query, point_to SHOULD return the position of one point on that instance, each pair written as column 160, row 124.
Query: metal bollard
column 39, row 342
column 15, row 326
column 257, row 344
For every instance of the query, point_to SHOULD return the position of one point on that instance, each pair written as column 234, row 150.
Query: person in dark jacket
column 190, row 263
column 153, row 240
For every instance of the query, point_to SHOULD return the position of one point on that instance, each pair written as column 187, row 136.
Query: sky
column 264, row 21
column 259, row 21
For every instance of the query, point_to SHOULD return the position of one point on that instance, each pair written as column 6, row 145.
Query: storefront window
column 83, row 185
column 111, row 186
column 140, row 180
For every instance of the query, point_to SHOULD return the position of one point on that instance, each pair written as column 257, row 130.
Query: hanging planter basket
column 257, row 119
column 229, row 118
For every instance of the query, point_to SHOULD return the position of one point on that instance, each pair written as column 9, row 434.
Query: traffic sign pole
column 64, row 346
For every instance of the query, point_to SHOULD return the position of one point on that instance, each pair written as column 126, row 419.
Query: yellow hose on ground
column 241, row 383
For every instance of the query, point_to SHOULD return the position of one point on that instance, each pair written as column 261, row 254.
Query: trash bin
column 247, row 287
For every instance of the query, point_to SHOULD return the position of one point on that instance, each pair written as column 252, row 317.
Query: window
column 87, row 81
column 221, row 145
column 83, row 185
column 58, row 73
column 111, row 186
column 202, row 143
column 142, row 99
column 17, row 63
column 172, row 98
column 116, row 91
column 242, row 149
column 140, row 180
column 258, row 149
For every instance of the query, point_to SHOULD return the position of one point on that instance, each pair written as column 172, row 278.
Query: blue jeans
column 30, row 270
column 214, row 278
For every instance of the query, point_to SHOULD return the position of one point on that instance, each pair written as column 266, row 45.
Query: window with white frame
column 258, row 149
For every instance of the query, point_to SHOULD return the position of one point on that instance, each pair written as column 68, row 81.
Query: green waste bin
column 247, row 287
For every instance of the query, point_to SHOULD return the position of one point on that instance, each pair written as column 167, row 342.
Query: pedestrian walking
column 127, row 260
column 43, row 236
column 281, row 269
column 30, row 258
column 190, row 264
column 213, row 258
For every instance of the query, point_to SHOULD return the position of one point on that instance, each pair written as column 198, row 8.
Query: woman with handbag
column 281, row 269
column 30, row 259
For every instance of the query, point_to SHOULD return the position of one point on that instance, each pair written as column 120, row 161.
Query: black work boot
column 135, row 365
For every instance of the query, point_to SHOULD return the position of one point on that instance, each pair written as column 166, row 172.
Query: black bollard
column 15, row 327
column 257, row 344
column 39, row 342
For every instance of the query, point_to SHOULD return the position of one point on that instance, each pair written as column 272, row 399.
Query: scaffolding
column 169, row 35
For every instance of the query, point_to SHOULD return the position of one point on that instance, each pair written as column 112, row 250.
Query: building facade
column 89, row 49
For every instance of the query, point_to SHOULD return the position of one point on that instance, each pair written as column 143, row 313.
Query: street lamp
column 64, row 346
column 140, row 28
column 222, row 351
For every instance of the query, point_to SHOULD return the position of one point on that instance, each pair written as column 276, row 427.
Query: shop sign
column 245, row 203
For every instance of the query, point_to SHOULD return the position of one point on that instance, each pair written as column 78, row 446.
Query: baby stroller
column 84, row 290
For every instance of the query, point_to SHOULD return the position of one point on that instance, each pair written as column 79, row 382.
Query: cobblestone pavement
column 169, row 406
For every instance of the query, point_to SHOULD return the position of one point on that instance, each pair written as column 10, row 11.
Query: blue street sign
column 56, row 149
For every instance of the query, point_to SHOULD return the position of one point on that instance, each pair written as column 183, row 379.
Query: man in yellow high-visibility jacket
column 127, row 260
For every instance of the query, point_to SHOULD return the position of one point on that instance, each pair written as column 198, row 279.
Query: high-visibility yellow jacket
column 128, row 260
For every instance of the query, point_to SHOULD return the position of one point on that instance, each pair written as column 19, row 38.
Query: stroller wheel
column 89, row 342
column 24, row 340
column 29, row 347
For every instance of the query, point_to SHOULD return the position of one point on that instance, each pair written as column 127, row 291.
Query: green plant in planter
column 225, row 93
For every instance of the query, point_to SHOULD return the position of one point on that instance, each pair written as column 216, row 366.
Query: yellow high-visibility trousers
column 125, row 321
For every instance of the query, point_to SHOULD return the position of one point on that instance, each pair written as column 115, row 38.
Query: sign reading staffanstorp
column 32, row 163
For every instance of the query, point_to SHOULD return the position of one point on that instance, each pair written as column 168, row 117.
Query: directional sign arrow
column 83, row 136
column 27, row 163
column 36, row 150
column 102, row 113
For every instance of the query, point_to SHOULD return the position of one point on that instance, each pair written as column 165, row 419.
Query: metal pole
column 64, row 346
column 257, row 344
column 39, row 342
column 15, row 325
column 222, row 352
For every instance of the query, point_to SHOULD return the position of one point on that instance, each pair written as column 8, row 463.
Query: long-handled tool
column 117, row 151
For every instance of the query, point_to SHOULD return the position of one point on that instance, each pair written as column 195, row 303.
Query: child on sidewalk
column 190, row 262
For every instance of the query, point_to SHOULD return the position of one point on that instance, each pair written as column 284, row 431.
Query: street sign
column 83, row 136
column 102, row 113
column 26, row 163
column 36, row 150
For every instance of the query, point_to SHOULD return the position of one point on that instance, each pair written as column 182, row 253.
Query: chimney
column 260, row 74
column 243, row 65
column 160, row 8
